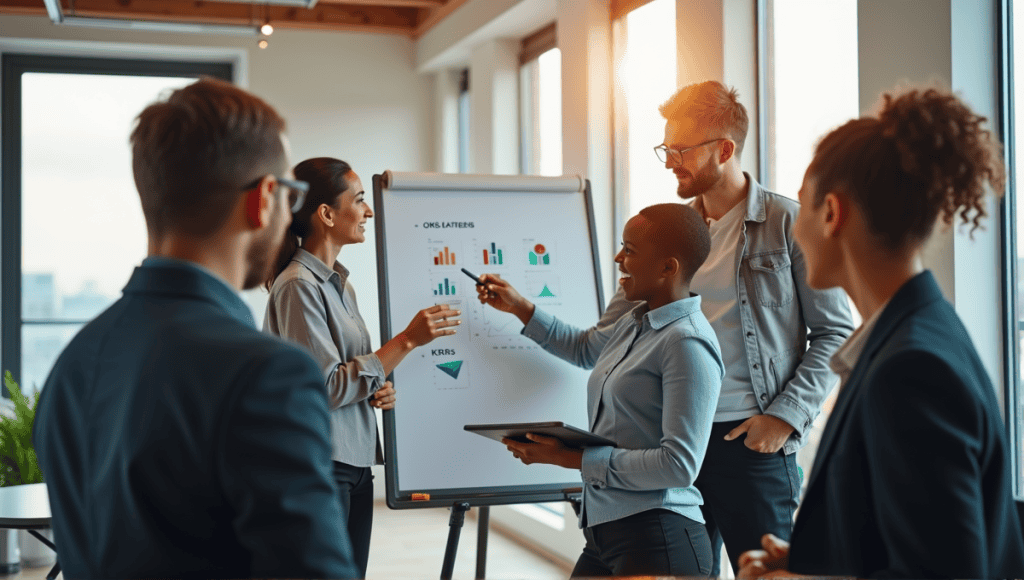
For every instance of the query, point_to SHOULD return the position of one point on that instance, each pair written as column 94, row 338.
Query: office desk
column 27, row 507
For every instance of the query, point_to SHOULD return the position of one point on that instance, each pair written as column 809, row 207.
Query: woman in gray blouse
column 313, row 304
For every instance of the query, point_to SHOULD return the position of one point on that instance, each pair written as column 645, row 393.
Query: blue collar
column 669, row 313
column 168, row 276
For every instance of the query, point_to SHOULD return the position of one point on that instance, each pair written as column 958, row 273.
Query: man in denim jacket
column 776, row 333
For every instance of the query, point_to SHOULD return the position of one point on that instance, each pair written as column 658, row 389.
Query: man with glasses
column 776, row 333
column 176, row 439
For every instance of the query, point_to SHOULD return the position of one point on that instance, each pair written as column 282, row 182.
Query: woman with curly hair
column 912, row 478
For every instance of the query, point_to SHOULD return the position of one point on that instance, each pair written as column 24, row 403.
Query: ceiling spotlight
column 267, row 29
column 263, row 43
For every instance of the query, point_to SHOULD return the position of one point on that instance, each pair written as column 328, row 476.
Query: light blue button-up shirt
column 790, row 330
column 654, row 389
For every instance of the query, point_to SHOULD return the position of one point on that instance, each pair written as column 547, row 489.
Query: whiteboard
column 536, row 232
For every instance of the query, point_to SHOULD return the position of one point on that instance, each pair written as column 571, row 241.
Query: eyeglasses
column 297, row 191
column 664, row 153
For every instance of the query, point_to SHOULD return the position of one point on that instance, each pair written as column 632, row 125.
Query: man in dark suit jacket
column 175, row 438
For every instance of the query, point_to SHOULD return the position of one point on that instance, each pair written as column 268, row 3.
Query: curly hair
column 924, row 154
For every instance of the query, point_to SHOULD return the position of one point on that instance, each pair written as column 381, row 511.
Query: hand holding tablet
column 570, row 436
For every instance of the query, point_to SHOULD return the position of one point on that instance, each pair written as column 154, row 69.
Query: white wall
column 952, row 42
column 494, row 107
column 353, row 96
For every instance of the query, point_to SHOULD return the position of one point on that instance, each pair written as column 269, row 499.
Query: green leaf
column 18, row 461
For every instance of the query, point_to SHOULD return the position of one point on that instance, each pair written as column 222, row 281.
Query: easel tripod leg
column 455, row 522
column 483, row 521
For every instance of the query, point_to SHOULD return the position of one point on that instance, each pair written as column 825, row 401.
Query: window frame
column 12, row 67
column 1012, row 392
column 463, row 115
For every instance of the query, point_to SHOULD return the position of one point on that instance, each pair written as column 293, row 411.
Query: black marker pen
column 471, row 275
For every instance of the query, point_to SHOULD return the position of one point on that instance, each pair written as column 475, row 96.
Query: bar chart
column 492, row 255
column 443, row 255
column 444, row 286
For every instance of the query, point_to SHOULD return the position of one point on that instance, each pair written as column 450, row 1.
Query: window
column 540, row 103
column 1013, row 224
column 801, row 112
column 645, row 77
column 72, row 226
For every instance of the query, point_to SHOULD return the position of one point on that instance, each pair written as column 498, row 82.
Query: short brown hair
column 715, row 105
column 925, row 153
column 195, row 152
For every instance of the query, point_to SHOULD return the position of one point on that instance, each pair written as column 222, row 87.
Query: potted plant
column 18, row 462
column 18, row 466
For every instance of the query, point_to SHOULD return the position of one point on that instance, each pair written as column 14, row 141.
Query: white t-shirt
column 715, row 282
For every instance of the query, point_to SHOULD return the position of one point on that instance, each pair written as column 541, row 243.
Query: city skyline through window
column 82, row 226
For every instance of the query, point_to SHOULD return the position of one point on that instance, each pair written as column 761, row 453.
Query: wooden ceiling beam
column 399, row 3
column 391, row 20
column 435, row 16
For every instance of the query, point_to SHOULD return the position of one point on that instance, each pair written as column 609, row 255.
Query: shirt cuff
column 374, row 369
column 539, row 326
column 595, row 465
column 787, row 409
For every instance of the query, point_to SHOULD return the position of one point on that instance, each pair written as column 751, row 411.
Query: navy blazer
column 912, row 478
column 179, row 441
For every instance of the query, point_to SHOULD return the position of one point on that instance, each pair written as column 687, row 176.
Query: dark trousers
column 746, row 494
column 651, row 543
column 356, row 487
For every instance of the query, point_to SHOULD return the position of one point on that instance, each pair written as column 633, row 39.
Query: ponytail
column 289, row 246
column 327, row 181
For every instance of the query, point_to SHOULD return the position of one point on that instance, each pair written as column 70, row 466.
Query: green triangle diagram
column 452, row 368
column 546, row 293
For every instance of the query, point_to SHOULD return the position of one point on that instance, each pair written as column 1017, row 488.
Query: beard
column 701, row 182
column 263, row 252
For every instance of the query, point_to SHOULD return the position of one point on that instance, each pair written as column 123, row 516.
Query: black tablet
column 569, row 435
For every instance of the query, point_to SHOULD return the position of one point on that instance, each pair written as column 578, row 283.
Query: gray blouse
column 315, row 307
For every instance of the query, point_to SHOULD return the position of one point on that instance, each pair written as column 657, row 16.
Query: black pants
column 746, row 494
column 652, row 543
column 356, row 487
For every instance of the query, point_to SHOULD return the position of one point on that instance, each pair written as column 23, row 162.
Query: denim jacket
column 790, row 329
